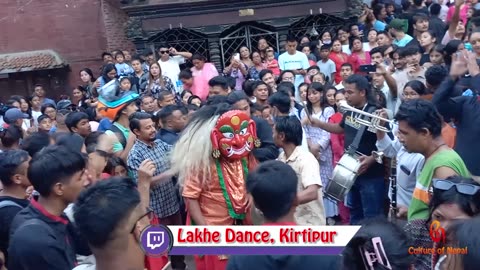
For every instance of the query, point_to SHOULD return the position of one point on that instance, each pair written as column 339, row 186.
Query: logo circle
column 156, row 240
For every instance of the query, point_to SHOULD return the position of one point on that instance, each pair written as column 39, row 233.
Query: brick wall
column 79, row 30
column 115, row 20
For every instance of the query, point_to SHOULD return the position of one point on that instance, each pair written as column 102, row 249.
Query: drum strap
column 352, row 149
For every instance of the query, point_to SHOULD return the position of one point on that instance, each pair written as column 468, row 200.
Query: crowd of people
column 164, row 137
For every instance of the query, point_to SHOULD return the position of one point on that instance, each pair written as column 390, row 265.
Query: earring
column 257, row 143
column 216, row 153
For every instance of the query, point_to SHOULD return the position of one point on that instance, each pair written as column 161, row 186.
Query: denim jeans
column 366, row 198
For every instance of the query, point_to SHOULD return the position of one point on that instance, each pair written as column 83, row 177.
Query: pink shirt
column 200, row 80
column 463, row 14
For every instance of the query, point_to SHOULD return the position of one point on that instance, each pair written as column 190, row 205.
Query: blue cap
column 13, row 114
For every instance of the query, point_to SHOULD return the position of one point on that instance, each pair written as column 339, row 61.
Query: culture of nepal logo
column 438, row 236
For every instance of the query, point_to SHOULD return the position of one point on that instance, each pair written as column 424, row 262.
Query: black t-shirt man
column 368, row 141
column 7, row 213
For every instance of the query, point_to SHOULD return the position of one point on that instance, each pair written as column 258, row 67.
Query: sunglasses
column 466, row 189
column 148, row 214
column 163, row 52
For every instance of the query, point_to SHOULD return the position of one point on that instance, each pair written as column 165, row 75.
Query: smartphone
column 368, row 68
column 236, row 56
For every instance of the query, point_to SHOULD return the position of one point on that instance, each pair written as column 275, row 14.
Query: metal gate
column 183, row 40
column 321, row 23
column 245, row 35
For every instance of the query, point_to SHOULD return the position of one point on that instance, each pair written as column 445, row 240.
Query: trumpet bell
column 375, row 120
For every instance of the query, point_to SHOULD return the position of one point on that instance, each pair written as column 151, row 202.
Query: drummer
column 367, row 197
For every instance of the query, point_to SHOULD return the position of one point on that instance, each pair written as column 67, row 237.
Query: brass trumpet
column 374, row 122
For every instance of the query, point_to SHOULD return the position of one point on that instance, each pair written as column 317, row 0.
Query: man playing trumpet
column 366, row 197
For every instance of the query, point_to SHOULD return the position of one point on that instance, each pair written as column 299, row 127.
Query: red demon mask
column 234, row 136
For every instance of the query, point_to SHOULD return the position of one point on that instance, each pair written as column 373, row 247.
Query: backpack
column 119, row 134
column 7, row 203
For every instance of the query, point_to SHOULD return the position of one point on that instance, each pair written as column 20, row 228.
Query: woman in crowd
column 437, row 55
column 303, row 88
column 326, row 38
column 319, row 141
column 339, row 58
column 109, row 72
column 371, row 40
column 453, row 199
column 116, row 167
column 359, row 56
column 157, row 82
column 245, row 56
column 50, row 110
column 185, row 95
column 79, row 97
column 202, row 72
column 86, row 76
column 330, row 96
column 237, row 70
column 378, row 244
column 427, row 42
column 258, row 65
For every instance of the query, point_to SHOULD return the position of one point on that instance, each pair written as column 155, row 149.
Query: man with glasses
column 170, row 61
column 115, row 244
column 420, row 131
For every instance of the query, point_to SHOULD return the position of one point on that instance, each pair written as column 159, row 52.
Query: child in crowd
column 256, row 110
column 125, row 84
column 326, row 65
column 272, row 63
column 44, row 123
column 311, row 57
column 319, row 77
column 123, row 68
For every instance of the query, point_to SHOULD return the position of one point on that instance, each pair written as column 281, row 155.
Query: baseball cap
column 399, row 24
column 13, row 114
column 64, row 104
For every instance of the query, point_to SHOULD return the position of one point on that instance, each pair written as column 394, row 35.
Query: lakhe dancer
column 213, row 157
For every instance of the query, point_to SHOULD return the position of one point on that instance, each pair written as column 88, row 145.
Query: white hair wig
column 192, row 153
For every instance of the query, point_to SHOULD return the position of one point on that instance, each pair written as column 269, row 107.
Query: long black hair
column 106, row 69
column 316, row 86
column 469, row 204
column 394, row 240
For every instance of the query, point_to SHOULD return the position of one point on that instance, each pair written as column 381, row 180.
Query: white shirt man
column 170, row 61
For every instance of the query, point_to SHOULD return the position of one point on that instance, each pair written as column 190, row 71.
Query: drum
column 344, row 176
